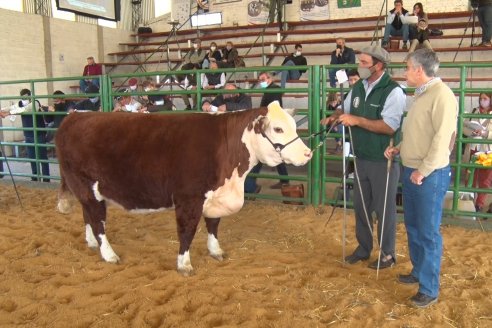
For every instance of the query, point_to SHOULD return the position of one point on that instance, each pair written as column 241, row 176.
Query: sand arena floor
column 283, row 270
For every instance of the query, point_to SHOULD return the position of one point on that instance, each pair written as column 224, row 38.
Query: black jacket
column 271, row 97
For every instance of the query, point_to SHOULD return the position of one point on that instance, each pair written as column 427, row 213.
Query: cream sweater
column 429, row 130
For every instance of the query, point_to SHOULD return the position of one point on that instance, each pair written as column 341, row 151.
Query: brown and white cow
column 194, row 163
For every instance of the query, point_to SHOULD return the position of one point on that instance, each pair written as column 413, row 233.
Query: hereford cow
column 194, row 163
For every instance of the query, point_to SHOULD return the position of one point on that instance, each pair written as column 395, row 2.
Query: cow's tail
column 64, row 198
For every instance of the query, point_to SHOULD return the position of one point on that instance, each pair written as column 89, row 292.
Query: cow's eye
column 278, row 130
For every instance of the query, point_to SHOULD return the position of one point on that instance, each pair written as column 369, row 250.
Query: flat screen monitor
column 206, row 19
column 105, row 9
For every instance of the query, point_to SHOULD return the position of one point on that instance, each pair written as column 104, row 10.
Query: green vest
column 369, row 145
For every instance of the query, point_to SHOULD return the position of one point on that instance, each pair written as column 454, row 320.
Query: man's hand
column 222, row 108
column 4, row 114
column 416, row 177
column 349, row 120
column 337, row 52
column 391, row 152
column 329, row 120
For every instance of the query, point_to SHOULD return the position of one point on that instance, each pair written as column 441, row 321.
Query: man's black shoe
column 407, row 279
column 354, row 258
column 422, row 301
column 383, row 264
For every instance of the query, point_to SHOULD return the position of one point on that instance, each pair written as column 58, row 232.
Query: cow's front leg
column 213, row 242
column 187, row 218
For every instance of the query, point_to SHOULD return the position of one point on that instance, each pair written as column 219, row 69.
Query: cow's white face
column 280, row 128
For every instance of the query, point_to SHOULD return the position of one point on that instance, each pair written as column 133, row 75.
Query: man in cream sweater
column 429, row 133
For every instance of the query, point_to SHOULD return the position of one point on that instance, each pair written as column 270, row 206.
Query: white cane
column 388, row 169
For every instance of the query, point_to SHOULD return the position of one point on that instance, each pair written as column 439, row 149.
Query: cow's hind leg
column 95, row 218
column 213, row 241
column 187, row 218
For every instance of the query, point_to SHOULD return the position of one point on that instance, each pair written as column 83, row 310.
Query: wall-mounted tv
column 105, row 9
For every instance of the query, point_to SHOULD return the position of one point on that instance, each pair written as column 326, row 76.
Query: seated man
column 341, row 55
column 294, row 59
column 228, row 102
column 395, row 25
column 89, row 104
column 90, row 69
column 213, row 80
column 229, row 56
column 155, row 103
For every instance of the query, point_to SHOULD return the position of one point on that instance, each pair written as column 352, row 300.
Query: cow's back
column 155, row 159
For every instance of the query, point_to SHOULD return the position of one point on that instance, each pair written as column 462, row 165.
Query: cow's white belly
column 227, row 199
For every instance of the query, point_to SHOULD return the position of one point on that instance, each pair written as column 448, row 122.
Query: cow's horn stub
column 274, row 110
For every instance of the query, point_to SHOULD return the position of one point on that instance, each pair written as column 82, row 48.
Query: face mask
column 229, row 47
column 365, row 72
column 195, row 45
column 263, row 84
column 129, row 108
column 94, row 100
column 24, row 103
column 298, row 53
column 484, row 103
column 213, row 48
column 147, row 89
column 133, row 87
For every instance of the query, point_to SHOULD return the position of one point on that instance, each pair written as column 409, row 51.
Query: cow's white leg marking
column 184, row 264
column 107, row 251
column 97, row 194
column 214, row 248
column 64, row 206
column 90, row 238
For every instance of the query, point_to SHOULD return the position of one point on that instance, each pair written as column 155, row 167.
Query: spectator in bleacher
column 60, row 105
column 341, row 55
column 154, row 103
column 482, row 177
column 294, row 59
column 228, row 102
column 214, row 53
column 353, row 76
column 191, row 61
column 91, row 69
column 126, row 103
column 90, row 104
column 422, row 37
column 395, row 25
column 213, row 79
column 484, row 14
column 196, row 55
column 25, row 106
column 266, row 82
column 418, row 10
column 230, row 56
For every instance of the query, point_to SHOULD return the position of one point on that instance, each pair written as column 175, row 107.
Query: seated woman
column 482, row 177
column 421, row 37
column 418, row 10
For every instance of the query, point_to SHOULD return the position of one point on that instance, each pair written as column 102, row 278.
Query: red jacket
column 95, row 69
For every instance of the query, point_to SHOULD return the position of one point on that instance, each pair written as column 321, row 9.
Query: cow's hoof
column 186, row 272
column 64, row 206
column 219, row 257
column 113, row 259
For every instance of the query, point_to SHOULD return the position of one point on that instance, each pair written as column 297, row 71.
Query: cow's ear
column 261, row 125
column 290, row 111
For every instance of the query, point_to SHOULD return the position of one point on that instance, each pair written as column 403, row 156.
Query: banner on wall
column 258, row 11
column 314, row 10
column 349, row 3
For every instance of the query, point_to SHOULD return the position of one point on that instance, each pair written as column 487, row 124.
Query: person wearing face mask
column 193, row 60
column 26, row 108
column 294, row 59
column 126, row 103
column 229, row 56
column 229, row 102
column 341, row 55
column 213, row 53
column 155, row 103
column 213, row 79
column 373, row 111
column 481, row 129
column 93, row 103
column 60, row 105
column 266, row 82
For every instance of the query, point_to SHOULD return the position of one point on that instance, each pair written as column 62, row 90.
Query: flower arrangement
column 484, row 159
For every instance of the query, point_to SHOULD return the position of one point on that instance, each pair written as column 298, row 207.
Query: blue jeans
column 332, row 73
column 485, row 18
column 84, row 84
column 289, row 75
column 43, row 155
column 390, row 30
column 250, row 182
column 422, row 207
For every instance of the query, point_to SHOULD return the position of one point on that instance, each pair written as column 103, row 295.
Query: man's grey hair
column 427, row 59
